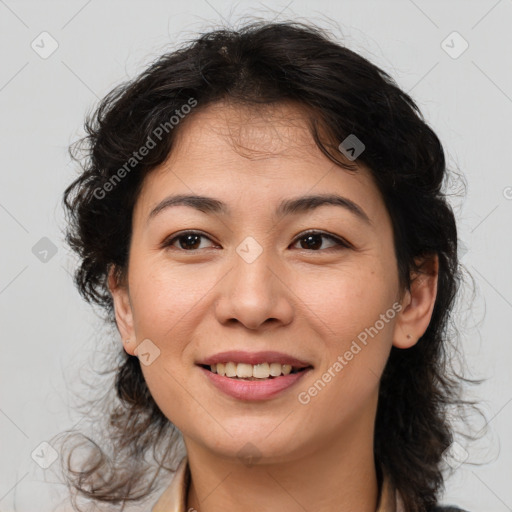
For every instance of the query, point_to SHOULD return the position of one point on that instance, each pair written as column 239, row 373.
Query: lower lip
column 253, row 389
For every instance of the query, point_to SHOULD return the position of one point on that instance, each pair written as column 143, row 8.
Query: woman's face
column 268, row 273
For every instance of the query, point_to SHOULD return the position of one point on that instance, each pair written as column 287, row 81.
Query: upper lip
column 240, row 356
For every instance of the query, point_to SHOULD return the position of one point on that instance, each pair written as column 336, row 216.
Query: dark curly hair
column 341, row 93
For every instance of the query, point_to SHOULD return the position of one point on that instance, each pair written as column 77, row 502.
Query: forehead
column 234, row 151
column 252, row 132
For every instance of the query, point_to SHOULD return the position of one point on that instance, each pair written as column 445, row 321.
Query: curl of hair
column 341, row 93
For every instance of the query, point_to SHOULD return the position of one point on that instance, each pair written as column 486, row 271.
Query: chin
column 254, row 444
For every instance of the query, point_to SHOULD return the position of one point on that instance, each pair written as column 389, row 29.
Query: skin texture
column 309, row 303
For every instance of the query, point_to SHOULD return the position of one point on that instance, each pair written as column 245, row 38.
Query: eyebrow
column 286, row 207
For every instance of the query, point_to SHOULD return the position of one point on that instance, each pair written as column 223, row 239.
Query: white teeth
column 275, row 369
column 243, row 370
column 249, row 371
column 230, row 370
column 287, row 368
column 262, row 371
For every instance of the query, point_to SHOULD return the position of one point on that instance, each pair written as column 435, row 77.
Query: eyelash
column 340, row 242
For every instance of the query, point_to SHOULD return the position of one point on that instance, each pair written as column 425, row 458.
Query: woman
column 260, row 215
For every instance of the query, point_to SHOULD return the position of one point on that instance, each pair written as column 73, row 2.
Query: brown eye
column 187, row 241
column 314, row 240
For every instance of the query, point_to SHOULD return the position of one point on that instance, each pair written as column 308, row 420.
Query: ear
column 123, row 311
column 417, row 303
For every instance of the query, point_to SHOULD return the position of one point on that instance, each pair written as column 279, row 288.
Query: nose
column 255, row 294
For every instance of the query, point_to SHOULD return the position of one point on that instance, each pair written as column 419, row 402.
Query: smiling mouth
column 248, row 372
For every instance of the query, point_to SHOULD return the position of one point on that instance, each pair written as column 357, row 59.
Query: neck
column 339, row 475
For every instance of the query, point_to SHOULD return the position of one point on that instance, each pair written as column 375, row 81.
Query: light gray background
column 49, row 333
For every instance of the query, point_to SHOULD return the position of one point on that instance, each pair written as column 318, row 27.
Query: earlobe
column 418, row 304
column 123, row 312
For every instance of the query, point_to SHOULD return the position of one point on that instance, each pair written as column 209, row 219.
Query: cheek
column 354, row 317
column 162, row 301
column 348, row 300
column 165, row 308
